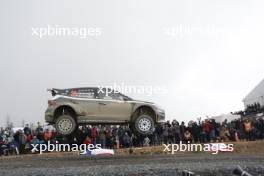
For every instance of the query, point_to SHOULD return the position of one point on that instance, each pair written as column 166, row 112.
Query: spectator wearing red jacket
column 207, row 129
column 87, row 140
column 93, row 135
column 29, row 138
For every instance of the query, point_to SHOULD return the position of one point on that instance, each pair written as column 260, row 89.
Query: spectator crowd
column 114, row 137
column 251, row 109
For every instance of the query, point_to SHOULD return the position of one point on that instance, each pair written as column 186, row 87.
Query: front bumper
column 160, row 116
column 49, row 116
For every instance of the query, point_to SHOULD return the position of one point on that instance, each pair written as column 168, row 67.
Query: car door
column 87, row 102
column 113, row 109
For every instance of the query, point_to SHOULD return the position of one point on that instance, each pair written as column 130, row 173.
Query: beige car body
column 100, row 111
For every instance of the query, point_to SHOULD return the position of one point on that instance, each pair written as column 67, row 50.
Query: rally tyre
column 65, row 125
column 144, row 124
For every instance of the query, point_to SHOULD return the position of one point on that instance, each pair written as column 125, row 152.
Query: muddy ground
column 71, row 164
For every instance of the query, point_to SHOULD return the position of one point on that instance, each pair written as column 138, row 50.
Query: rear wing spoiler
column 52, row 91
column 73, row 92
column 64, row 92
column 55, row 92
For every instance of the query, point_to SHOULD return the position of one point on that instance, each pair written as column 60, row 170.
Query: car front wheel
column 65, row 125
column 144, row 124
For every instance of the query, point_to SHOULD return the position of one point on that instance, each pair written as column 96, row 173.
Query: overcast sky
column 208, row 54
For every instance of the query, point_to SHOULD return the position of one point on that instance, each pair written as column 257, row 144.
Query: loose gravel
column 133, row 165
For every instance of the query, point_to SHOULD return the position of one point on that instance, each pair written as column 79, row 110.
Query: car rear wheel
column 65, row 125
column 144, row 124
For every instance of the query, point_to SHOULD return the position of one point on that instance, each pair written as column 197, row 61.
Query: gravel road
column 133, row 165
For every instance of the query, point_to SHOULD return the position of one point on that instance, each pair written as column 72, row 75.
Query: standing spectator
column 116, row 142
column 207, row 129
column 224, row 134
column 27, row 130
column 182, row 130
column 126, row 140
column 120, row 134
column 21, row 140
column 102, row 136
column 260, row 128
column 39, row 132
column 108, row 137
column 47, row 135
column 159, row 130
column 175, row 131
column 213, row 130
column 195, row 131
column 80, row 135
column 154, row 136
column 36, row 141
column 224, row 123
column 2, row 144
column 248, row 129
column 87, row 140
column 236, row 136
column 165, row 133
column 114, row 130
column 93, row 135
column 187, row 136
column 87, row 130
column 171, row 138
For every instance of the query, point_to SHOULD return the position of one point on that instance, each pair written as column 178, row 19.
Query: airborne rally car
column 69, row 108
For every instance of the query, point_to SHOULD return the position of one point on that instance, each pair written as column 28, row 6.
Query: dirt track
column 139, row 165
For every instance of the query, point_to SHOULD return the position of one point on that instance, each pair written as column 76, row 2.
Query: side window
column 116, row 96
column 109, row 96
column 101, row 93
column 83, row 93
